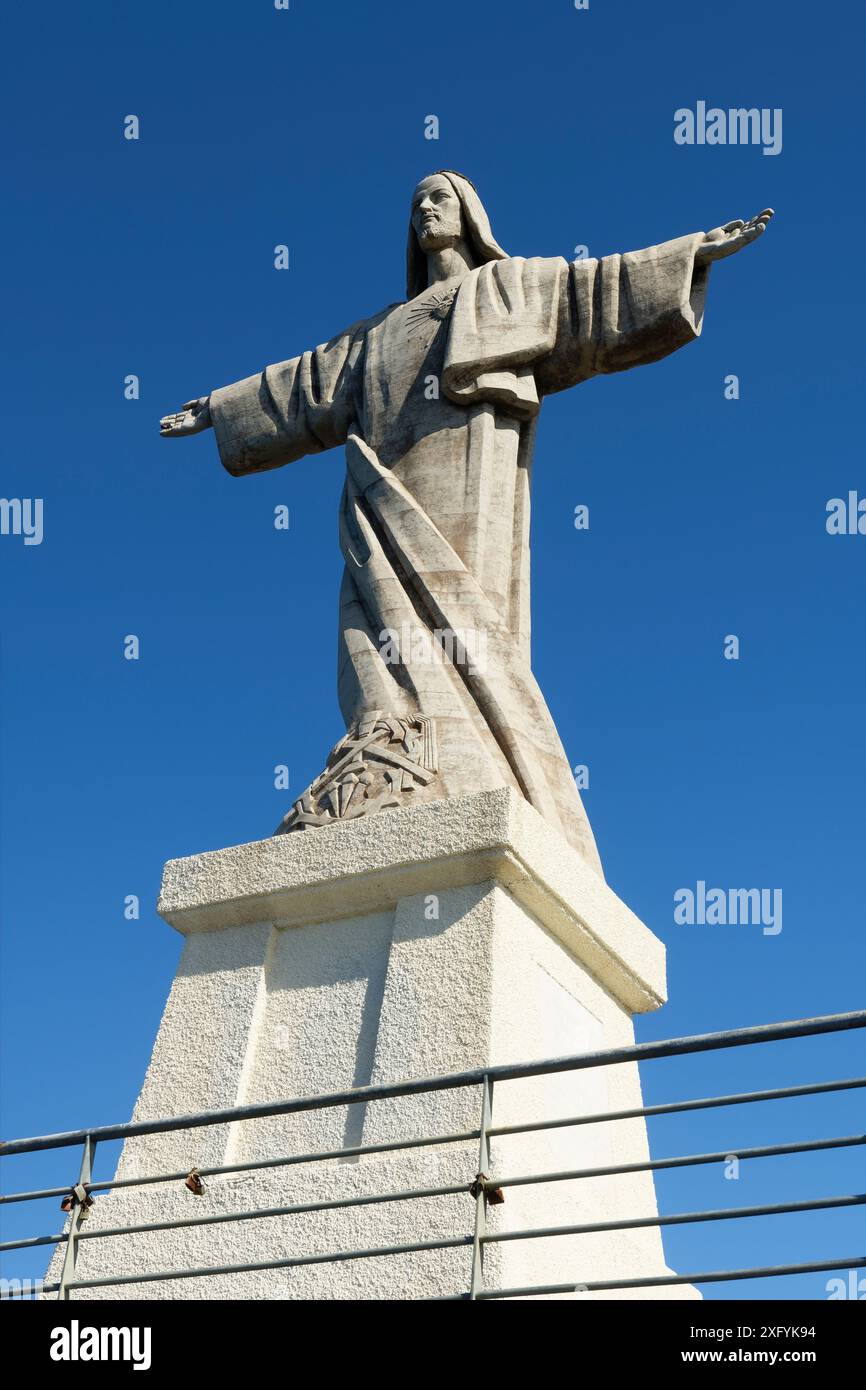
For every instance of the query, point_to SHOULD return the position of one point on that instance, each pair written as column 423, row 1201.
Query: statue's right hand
column 190, row 419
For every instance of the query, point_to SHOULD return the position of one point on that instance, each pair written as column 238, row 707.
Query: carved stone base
column 380, row 762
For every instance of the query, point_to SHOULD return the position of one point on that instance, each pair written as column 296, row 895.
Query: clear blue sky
column 707, row 516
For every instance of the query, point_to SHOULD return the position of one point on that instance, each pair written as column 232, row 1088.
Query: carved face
column 437, row 216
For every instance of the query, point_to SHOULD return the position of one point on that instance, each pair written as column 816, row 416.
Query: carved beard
column 438, row 231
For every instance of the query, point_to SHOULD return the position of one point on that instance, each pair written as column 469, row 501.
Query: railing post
column 477, row 1280
column 79, row 1207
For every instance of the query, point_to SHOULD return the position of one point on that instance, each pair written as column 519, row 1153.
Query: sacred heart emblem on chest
column 432, row 311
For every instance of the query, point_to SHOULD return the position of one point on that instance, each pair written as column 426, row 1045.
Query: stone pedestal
column 412, row 943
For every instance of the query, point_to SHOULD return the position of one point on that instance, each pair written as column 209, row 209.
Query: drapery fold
column 513, row 331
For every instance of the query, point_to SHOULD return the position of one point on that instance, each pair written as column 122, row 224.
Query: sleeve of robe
column 292, row 408
column 624, row 311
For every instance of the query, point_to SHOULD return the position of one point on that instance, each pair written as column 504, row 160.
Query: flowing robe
column 436, row 401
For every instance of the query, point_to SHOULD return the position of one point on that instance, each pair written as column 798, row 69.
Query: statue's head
column 445, row 210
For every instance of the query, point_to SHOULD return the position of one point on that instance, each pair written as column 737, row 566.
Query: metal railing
column 484, row 1189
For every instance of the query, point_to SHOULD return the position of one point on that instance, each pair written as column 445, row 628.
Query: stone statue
column 436, row 400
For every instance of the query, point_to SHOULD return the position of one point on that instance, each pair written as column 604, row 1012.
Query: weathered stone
column 419, row 942
column 436, row 400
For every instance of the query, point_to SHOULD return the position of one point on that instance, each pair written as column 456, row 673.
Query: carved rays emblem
column 435, row 308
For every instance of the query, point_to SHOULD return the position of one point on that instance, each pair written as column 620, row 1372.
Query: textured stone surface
column 366, row 865
column 436, row 400
column 377, row 991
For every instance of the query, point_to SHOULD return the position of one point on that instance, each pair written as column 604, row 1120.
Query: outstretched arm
column 628, row 310
column 290, row 409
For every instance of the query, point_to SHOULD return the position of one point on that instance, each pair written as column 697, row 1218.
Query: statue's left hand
column 732, row 237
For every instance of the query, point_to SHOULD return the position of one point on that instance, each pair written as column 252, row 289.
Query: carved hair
column 476, row 233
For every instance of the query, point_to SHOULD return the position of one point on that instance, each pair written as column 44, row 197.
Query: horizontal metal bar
column 682, row 1218
column 359, row 1150
column 33, row 1240
column 713, row 1276
column 678, row 1106
column 291, row 1160
column 723, row 1155
column 36, row 1196
column 356, row 1150
column 681, row 1161
column 539, row 1233
column 639, row 1052
column 448, row 1243
column 254, row 1214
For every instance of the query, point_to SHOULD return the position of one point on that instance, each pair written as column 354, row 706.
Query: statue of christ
column 436, row 400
